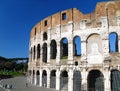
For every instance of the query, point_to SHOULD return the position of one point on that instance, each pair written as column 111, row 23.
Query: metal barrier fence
column 44, row 81
column 52, row 82
column 64, row 83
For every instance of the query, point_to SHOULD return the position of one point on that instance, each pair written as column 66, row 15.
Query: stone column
column 70, row 52
column 84, row 75
column 41, row 77
column 48, row 78
column 58, row 79
column 107, row 83
column 70, row 80
column 58, row 53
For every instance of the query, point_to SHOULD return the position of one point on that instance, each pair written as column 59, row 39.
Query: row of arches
column 95, row 80
column 113, row 47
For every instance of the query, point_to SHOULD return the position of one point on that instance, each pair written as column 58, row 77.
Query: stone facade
column 54, row 61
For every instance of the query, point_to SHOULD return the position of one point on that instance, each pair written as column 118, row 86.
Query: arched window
column 53, row 79
column 44, row 78
column 44, row 58
column 33, row 77
column 37, row 77
column 34, row 51
column 53, row 49
column 77, row 46
column 38, row 51
column 113, row 42
column 64, row 48
column 44, row 36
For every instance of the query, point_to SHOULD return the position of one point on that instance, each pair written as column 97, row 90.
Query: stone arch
column 77, row 81
column 34, row 52
column 94, row 49
column 113, row 42
column 29, row 73
column 37, row 77
column 44, row 36
column 64, row 48
column 53, row 49
column 44, row 53
column 77, row 46
column 64, row 80
column 53, row 79
column 95, row 81
column 44, row 78
column 38, row 51
column 115, row 80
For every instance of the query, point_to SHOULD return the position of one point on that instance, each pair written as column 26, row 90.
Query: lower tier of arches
column 76, row 80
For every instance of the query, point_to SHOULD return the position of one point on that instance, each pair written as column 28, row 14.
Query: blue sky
column 17, row 17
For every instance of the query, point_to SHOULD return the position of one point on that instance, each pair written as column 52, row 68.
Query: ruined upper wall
column 109, row 9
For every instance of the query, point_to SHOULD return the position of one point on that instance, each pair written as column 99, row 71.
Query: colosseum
column 72, row 51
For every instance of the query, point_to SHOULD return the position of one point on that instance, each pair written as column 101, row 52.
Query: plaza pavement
column 19, row 84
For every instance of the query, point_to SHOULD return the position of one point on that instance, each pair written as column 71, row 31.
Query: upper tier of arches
column 93, row 19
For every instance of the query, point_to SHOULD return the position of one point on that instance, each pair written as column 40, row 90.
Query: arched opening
column 34, row 51
column 44, row 58
column 38, row 51
column 64, row 81
column 115, row 80
column 37, row 77
column 77, row 46
column 53, row 49
column 29, row 75
column 33, row 77
column 44, row 78
column 64, row 48
column 77, row 81
column 44, row 36
column 95, row 81
column 113, row 42
column 53, row 79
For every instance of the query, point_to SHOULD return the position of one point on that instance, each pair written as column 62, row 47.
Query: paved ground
column 19, row 84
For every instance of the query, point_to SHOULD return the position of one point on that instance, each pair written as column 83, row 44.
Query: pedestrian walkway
column 19, row 84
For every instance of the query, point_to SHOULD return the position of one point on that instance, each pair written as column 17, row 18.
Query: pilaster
column 41, row 77
column 107, row 83
column 84, row 75
column 35, row 79
column 58, row 53
column 70, row 52
column 70, row 80
column 48, row 78
column 83, row 50
column 119, row 44
column 58, row 79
